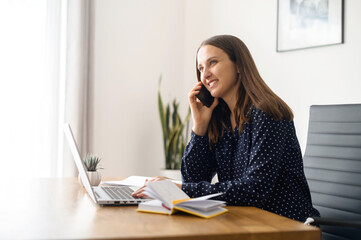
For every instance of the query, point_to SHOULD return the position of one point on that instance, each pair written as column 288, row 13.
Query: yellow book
column 168, row 199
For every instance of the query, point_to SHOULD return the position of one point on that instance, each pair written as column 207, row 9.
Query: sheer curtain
column 76, row 79
column 43, row 83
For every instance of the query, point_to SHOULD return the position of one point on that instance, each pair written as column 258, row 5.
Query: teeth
column 212, row 83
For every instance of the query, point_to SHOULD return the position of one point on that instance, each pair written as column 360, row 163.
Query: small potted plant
column 91, row 163
column 174, row 136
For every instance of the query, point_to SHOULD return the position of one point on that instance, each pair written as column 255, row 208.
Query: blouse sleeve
column 198, row 162
column 264, row 166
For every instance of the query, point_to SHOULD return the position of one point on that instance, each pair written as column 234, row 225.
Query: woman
column 246, row 136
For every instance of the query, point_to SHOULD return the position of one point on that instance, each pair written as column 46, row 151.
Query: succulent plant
column 91, row 163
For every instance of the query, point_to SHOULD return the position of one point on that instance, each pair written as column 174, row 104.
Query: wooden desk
column 61, row 209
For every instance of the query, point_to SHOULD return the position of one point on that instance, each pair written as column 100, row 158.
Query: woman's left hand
column 140, row 191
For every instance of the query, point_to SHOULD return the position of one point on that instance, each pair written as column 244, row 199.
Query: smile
column 212, row 83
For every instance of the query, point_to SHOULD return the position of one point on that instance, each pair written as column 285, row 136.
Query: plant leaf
column 174, row 140
column 167, row 121
column 91, row 162
column 161, row 114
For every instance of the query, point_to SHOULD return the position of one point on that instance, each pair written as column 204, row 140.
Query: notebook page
column 167, row 192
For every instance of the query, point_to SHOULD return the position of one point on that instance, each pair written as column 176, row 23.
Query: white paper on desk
column 136, row 181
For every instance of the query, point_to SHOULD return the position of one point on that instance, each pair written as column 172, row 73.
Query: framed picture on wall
column 309, row 23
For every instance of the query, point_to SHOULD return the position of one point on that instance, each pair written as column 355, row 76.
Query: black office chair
column 333, row 169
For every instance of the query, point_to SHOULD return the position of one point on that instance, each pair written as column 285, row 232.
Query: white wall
column 133, row 41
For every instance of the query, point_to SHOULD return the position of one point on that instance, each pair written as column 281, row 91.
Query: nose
column 206, row 74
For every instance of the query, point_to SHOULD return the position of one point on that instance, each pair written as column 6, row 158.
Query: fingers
column 140, row 191
column 157, row 178
column 194, row 91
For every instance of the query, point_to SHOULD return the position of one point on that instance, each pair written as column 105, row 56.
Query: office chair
column 332, row 164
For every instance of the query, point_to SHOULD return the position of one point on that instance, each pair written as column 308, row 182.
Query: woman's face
column 217, row 72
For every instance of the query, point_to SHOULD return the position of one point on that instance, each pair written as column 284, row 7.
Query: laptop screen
column 79, row 163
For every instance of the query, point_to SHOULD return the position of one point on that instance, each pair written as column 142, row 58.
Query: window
column 28, row 89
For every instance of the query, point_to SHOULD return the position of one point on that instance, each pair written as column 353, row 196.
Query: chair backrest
column 332, row 164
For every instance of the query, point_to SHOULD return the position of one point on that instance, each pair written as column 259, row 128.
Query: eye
column 212, row 62
column 200, row 69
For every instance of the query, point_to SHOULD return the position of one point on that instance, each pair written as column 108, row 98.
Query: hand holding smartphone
column 205, row 96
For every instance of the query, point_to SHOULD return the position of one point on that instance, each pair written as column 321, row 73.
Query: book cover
column 169, row 198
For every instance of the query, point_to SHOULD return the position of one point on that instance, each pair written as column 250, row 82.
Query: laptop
column 103, row 195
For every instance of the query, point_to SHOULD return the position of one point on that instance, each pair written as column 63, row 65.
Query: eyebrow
column 210, row 58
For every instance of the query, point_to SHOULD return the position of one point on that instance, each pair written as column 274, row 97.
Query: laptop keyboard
column 119, row 193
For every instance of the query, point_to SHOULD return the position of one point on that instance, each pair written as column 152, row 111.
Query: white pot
column 172, row 174
column 94, row 178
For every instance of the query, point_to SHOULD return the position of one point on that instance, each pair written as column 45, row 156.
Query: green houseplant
column 91, row 163
column 175, row 131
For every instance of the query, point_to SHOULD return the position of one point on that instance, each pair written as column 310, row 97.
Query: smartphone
column 205, row 96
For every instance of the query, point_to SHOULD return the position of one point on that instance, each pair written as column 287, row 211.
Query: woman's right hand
column 201, row 114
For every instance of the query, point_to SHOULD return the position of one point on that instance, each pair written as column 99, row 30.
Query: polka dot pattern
column 260, row 167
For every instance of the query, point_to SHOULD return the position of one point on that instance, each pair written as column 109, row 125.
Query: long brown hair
column 252, row 89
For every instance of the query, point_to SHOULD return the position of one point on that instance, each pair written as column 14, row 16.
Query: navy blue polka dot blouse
column 260, row 167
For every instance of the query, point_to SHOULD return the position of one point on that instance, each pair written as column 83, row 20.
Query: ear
column 238, row 71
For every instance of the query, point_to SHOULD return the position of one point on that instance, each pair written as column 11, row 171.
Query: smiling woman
column 246, row 137
column 226, row 67
column 214, row 64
